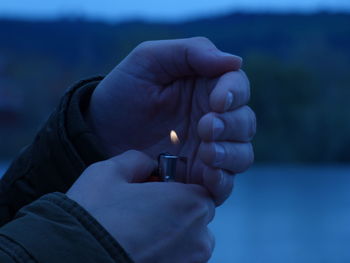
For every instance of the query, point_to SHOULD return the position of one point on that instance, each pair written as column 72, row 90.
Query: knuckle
column 206, row 152
column 249, row 160
column 245, row 78
column 244, row 122
column 203, row 124
column 207, row 211
column 143, row 45
column 251, row 123
column 143, row 48
column 201, row 39
column 204, row 250
column 210, row 116
column 99, row 168
column 137, row 154
column 111, row 165
column 234, row 153
column 196, row 205
column 132, row 152
column 250, row 155
column 246, row 84
column 242, row 157
column 223, row 195
column 201, row 204
column 95, row 167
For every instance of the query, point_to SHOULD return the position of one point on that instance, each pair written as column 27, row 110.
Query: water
column 289, row 214
column 286, row 214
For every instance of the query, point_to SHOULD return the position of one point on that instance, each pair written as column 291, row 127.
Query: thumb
column 132, row 166
column 165, row 60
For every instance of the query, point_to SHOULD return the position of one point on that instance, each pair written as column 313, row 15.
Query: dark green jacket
column 38, row 223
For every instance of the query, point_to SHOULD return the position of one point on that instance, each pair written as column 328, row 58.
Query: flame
column 174, row 138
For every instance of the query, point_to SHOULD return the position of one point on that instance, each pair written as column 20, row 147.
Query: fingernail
column 218, row 128
column 229, row 100
column 219, row 154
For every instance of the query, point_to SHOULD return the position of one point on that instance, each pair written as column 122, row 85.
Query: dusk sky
column 114, row 10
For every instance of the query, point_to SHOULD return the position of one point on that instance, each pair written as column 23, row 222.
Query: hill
column 298, row 66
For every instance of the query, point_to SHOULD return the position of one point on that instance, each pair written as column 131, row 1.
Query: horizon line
column 187, row 19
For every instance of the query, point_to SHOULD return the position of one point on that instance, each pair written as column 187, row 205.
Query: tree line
column 298, row 66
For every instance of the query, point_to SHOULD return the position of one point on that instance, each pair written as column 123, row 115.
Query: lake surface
column 285, row 214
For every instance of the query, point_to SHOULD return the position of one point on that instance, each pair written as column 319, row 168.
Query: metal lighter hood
column 167, row 167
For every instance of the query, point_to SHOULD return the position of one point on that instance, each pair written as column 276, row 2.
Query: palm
column 156, row 110
column 184, row 102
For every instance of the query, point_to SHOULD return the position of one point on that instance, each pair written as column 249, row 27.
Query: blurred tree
column 298, row 65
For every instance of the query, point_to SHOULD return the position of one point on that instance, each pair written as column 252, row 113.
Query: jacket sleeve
column 56, row 229
column 60, row 152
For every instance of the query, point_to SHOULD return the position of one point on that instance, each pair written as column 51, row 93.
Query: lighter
column 167, row 164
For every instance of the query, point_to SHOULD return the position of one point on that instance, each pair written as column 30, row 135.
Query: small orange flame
column 174, row 138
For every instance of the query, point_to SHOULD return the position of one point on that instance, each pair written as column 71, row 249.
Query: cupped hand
column 153, row 222
column 186, row 85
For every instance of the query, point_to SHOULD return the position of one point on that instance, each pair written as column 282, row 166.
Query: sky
column 116, row 10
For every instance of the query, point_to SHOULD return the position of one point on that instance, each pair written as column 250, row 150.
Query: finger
column 238, row 125
column 131, row 166
column 211, row 238
column 206, row 245
column 231, row 91
column 203, row 202
column 234, row 157
column 166, row 60
column 219, row 183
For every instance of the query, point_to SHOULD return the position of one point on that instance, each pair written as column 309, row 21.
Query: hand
column 153, row 222
column 185, row 85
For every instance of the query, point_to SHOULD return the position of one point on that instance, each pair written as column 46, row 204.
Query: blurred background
column 294, row 204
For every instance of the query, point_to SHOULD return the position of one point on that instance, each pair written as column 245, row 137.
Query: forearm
column 56, row 229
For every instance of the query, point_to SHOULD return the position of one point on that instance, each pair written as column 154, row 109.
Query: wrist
column 95, row 127
column 79, row 132
column 96, row 119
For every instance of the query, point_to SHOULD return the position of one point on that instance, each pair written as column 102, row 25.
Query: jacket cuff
column 62, row 149
column 79, row 133
column 56, row 229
